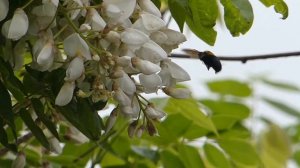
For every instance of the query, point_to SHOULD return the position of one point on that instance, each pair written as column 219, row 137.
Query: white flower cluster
column 115, row 49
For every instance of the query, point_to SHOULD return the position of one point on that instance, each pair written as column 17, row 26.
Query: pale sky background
column 269, row 34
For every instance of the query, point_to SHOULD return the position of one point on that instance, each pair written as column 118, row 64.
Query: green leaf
column 83, row 117
column 215, row 156
column 178, row 9
column 202, row 18
column 39, row 110
column 37, row 132
column 238, row 16
column 279, row 5
column 225, row 108
column 6, row 111
column 240, row 151
column 275, row 147
column 12, row 83
column 230, row 87
column 190, row 156
column 170, row 159
column 192, row 113
column 146, row 153
column 4, row 138
column 282, row 107
column 281, row 85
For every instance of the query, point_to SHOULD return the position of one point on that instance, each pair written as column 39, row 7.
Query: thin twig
column 244, row 59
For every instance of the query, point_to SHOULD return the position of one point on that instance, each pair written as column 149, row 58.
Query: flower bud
column 154, row 113
column 16, row 27
column 4, row 7
column 121, row 97
column 20, row 161
column 111, row 120
column 151, row 128
column 132, row 127
column 85, row 27
column 178, row 93
column 139, row 132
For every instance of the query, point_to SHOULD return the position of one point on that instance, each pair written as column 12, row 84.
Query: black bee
column 208, row 58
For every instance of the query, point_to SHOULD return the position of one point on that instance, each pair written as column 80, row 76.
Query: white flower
column 144, row 66
column 118, row 10
column 18, row 57
column 123, row 61
column 54, row 2
column 4, row 6
column 74, row 45
column 75, row 69
column 65, row 94
column 74, row 4
column 44, row 15
column 149, row 6
column 113, row 37
column 127, row 84
column 177, row 72
column 20, row 161
column 174, row 37
column 159, row 37
column 85, row 27
column 154, row 113
column 149, row 23
column 172, row 73
column 134, row 37
column 16, row 27
column 111, row 120
column 95, row 20
column 45, row 56
column 54, row 145
column 152, row 52
column 135, row 106
column 178, row 93
column 121, row 97
column 151, row 83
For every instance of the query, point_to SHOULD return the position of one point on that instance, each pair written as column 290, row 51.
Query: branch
column 22, row 139
column 242, row 59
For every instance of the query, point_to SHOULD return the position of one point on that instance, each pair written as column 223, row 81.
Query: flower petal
column 75, row 69
column 16, row 27
column 134, row 37
column 126, row 8
column 4, row 6
column 149, row 6
column 151, row 83
column 46, row 55
column 144, row 66
column 65, row 94
column 174, row 37
column 178, row 93
column 74, row 45
column 127, row 84
column 152, row 52
column 177, row 72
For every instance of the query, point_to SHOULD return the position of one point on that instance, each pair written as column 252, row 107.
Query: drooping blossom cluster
column 117, row 49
